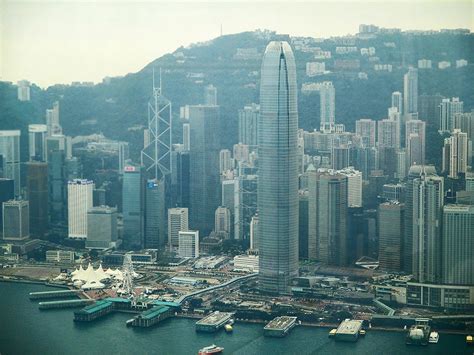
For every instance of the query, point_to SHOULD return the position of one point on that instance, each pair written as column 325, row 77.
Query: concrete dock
column 279, row 326
column 214, row 321
column 348, row 330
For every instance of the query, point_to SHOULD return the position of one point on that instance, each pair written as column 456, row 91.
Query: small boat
column 362, row 332
column 434, row 338
column 469, row 340
column 228, row 328
column 211, row 349
column 332, row 333
column 129, row 322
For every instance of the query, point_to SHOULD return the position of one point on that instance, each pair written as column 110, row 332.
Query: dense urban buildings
column 278, row 179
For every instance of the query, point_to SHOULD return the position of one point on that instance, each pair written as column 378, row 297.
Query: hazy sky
column 50, row 42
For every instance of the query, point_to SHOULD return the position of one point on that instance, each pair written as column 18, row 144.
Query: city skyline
column 62, row 48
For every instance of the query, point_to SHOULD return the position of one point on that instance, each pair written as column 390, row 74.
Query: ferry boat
column 418, row 333
column 228, row 328
column 211, row 349
column 469, row 340
column 362, row 332
column 434, row 337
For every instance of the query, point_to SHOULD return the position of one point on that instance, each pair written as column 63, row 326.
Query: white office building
column 80, row 200
column 188, row 244
column 177, row 222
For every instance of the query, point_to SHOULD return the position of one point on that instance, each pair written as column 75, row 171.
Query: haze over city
column 59, row 42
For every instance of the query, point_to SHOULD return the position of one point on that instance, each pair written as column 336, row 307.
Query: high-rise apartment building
column 447, row 109
column 415, row 142
column 248, row 125
column 225, row 160
column 388, row 133
column 222, row 221
column 327, row 99
column 410, row 92
column 210, row 95
column 365, row 128
column 397, row 101
column 278, row 164
column 23, row 91
column 455, row 154
column 52, row 120
column 7, row 193
column 80, row 200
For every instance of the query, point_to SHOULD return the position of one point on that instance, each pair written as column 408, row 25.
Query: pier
column 65, row 304
column 349, row 330
column 279, row 326
column 213, row 322
column 152, row 316
column 94, row 311
column 53, row 294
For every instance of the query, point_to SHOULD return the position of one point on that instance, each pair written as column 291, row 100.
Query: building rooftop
column 349, row 326
column 215, row 318
column 280, row 322
column 153, row 312
column 99, row 305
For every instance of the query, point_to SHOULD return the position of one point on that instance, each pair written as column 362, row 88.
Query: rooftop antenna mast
column 156, row 156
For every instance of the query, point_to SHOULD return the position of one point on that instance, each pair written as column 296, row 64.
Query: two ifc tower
column 278, row 164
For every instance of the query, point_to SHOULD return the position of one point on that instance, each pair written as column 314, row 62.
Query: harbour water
column 24, row 329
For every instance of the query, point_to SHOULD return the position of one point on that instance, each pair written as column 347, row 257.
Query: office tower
column 10, row 157
column 455, row 154
column 59, row 142
column 357, row 234
column 365, row 160
column 230, row 199
column 415, row 172
column 133, row 207
column 80, row 200
column 177, row 221
column 225, row 160
column 388, row 161
column 101, row 227
column 374, row 189
column 447, row 110
column 254, row 232
column 155, row 214
column 427, row 195
column 248, row 125
column 222, row 221
column 57, row 191
column 354, row 186
column 327, row 210
column 303, row 224
column 204, row 165
column 393, row 192
column 278, row 164
column 340, row 157
column 241, row 152
column 16, row 220
column 457, row 254
column 210, row 95
column 37, row 141
column 388, row 133
column 365, row 128
column 469, row 180
column 401, row 172
column 188, row 244
column 327, row 99
column 245, row 205
column 23, row 93
column 391, row 218
column 37, row 186
column 397, row 101
column 415, row 142
column 7, row 192
column 182, row 179
column 410, row 92
column 428, row 107
column 52, row 120
column 186, row 136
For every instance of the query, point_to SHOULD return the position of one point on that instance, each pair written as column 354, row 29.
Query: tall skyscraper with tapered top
column 278, row 170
